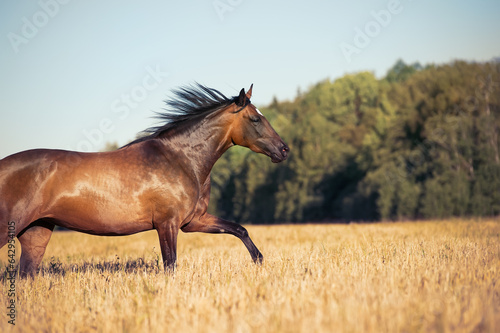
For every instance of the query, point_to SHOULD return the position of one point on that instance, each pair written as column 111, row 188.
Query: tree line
column 422, row 142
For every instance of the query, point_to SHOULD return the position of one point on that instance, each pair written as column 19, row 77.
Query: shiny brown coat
column 160, row 182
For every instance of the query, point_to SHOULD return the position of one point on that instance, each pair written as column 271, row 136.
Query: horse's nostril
column 285, row 150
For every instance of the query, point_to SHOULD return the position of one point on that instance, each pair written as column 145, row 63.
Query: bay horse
column 160, row 181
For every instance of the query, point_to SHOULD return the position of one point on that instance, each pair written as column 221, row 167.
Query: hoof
column 258, row 259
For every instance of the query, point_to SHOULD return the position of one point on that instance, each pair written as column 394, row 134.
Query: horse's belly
column 104, row 228
column 100, row 217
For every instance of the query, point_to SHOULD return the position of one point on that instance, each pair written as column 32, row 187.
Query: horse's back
column 26, row 168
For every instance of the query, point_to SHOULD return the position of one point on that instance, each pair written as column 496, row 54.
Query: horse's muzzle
column 281, row 155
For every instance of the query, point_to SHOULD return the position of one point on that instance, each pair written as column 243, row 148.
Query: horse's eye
column 255, row 119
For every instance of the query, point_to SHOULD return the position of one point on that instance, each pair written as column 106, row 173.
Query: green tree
column 422, row 142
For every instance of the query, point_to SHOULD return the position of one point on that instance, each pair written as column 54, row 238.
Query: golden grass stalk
column 438, row 276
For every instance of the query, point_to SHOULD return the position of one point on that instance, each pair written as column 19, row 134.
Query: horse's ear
column 242, row 98
column 249, row 92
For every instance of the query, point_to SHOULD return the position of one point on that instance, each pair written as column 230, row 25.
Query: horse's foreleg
column 33, row 241
column 167, row 234
column 214, row 225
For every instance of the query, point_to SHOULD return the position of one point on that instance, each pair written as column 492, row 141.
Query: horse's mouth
column 276, row 159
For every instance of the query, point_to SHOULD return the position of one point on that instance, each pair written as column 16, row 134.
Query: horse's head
column 251, row 129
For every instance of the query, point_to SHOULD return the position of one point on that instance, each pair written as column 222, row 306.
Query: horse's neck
column 202, row 144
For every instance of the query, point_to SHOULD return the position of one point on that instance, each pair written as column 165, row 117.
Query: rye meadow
column 420, row 147
column 432, row 276
column 364, row 162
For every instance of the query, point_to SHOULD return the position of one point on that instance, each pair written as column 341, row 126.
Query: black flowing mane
column 191, row 102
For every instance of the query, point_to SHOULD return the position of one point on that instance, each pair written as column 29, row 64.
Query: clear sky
column 76, row 74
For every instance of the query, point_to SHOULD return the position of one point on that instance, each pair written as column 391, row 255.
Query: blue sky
column 77, row 74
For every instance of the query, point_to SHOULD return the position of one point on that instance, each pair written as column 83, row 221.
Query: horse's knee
column 242, row 231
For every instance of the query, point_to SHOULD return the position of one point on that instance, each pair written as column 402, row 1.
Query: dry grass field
column 436, row 276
